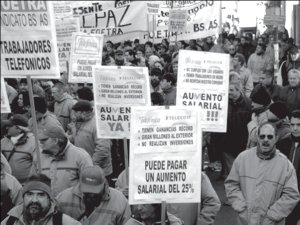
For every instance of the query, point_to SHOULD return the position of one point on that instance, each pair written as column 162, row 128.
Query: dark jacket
column 291, row 96
column 235, row 139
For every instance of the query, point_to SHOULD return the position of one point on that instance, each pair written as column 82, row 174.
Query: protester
column 238, row 64
column 294, row 156
column 74, row 87
column 155, row 78
column 277, row 115
column 250, row 185
column 86, row 93
column 239, row 115
column 61, row 161
column 93, row 202
column 260, row 103
column 43, row 116
column 167, row 85
column 291, row 93
column 258, row 62
column 20, row 104
column 63, row 104
column 18, row 146
column 38, row 206
column 267, row 80
column 84, row 135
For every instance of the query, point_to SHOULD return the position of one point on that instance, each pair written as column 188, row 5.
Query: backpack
column 57, row 219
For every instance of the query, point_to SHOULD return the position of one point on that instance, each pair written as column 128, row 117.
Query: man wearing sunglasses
column 262, row 184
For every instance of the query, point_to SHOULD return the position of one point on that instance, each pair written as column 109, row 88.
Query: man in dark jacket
column 239, row 114
column 291, row 93
column 267, row 80
column 295, row 159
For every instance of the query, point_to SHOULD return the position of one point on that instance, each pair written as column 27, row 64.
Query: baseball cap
column 91, row 180
column 50, row 131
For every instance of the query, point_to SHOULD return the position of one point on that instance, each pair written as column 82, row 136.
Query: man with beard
column 155, row 77
column 295, row 159
column 262, row 184
column 84, row 135
column 18, row 146
column 120, row 59
column 61, row 161
column 93, row 202
column 38, row 206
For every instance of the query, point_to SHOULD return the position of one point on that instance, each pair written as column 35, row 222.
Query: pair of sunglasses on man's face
column 263, row 136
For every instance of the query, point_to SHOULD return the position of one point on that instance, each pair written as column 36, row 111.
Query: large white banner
column 203, row 80
column 116, row 90
column 86, row 52
column 165, row 155
column 28, row 39
column 116, row 20
column 203, row 20
column 64, row 30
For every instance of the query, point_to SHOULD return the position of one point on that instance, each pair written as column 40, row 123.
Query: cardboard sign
column 165, row 155
column 28, row 40
column 177, row 20
column 203, row 20
column 116, row 90
column 116, row 20
column 203, row 80
column 86, row 52
column 5, row 107
column 64, row 30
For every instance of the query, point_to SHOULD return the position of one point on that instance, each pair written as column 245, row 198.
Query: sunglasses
column 263, row 136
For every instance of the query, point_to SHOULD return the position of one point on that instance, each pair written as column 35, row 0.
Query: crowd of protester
column 82, row 176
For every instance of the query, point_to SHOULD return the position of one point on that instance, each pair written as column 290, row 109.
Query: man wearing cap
column 18, row 146
column 85, row 136
column 61, row 161
column 260, row 101
column 262, row 184
column 277, row 115
column 93, row 202
column 120, row 59
column 38, row 206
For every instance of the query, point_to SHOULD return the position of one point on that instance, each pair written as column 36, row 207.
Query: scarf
column 265, row 155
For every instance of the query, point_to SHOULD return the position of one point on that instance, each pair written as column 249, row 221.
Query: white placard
column 86, row 52
column 203, row 80
column 165, row 155
column 28, row 40
column 116, row 90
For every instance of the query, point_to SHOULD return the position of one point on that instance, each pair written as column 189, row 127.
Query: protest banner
column 5, row 107
column 116, row 90
column 177, row 20
column 28, row 40
column 165, row 155
column 64, row 30
column 86, row 52
column 116, row 20
column 203, row 80
column 202, row 20
column 153, row 8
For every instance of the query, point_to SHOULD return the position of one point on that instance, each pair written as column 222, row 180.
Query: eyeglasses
column 263, row 136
